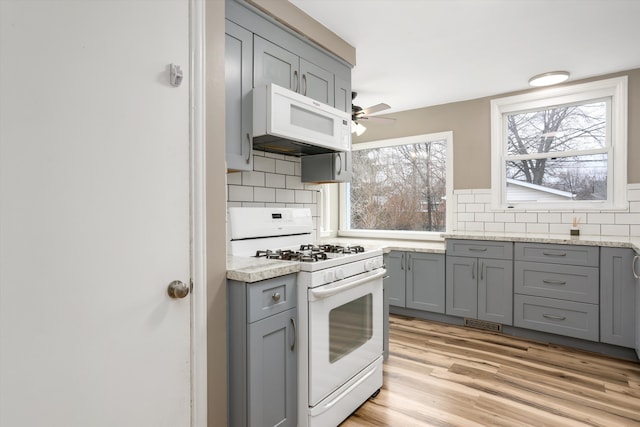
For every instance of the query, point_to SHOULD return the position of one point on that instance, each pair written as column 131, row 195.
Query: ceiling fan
column 358, row 113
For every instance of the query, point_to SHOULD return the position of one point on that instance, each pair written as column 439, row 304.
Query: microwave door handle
column 326, row 292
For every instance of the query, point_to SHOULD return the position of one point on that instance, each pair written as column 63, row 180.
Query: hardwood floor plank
column 446, row 375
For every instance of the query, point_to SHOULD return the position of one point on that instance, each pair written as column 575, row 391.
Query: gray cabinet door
column 342, row 99
column 273, row 64
column 394, row 284
column 617, row 297
column 238, row 82
column 495, row 290
column 425, row 281
column 316, row 82
column 462, row 286
column 273, row 371
column 636, row 273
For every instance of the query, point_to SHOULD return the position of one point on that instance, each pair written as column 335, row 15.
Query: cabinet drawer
column 270, row 297
column 480, row 248
column 558, row 254
column 567, row 282
column 573, row 319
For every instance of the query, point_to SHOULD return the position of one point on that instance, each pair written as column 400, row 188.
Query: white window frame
column 401, row 234
column 616, row 90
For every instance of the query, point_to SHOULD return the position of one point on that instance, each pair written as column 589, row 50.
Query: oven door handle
column 326, row 291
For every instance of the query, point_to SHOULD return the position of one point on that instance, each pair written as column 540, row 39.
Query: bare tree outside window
column 560, row 151
column 399, row 187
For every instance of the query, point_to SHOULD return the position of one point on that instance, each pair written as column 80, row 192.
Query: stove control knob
column 329, row 277
column 339, row 274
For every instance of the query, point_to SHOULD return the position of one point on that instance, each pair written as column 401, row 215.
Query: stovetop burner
column 309, row 253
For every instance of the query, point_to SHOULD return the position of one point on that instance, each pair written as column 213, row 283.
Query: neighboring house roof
column 526, row 191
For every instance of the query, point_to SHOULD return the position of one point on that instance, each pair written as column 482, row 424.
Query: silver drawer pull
column 554, row 253
column 478, row 249
column 276, row 296
column 554, row 282
column 554, row 317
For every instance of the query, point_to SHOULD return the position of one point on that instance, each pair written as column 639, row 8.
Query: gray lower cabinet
column 416, row 280
column 617, row 297
column 238, row 106
column 480, row 287
column 636, row 273
column 556, row 289
column 262, row 353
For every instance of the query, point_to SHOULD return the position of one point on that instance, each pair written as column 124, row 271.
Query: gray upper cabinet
column 617, row 297
column 479, row 280
column 342, row 94
column 274, row 64
column 238, row 83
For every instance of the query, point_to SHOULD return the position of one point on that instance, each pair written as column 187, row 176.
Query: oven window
column 350, row 326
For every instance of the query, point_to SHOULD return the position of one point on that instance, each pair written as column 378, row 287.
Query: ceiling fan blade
column 376, row 108
column 378, row 119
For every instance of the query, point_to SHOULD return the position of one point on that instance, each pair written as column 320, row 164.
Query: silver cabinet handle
column 248, row 158
column 554, row 282
column 295, row 333
column 473, row 249
column 409, row 262
column 402, row 262
column 553, row 316
column 276, row 296
column 304, row 80
column 554, row 254
column 473, row 270
column 482, row 271
column 633, row 266
column 297, row 81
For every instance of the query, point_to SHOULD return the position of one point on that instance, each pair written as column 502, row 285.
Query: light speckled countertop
column 609, row 241
column 253, row 269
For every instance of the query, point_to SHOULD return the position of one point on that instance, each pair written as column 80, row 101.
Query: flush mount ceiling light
column 547, row 79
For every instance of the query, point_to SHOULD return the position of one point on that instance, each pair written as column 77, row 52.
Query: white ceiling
column 417, row 53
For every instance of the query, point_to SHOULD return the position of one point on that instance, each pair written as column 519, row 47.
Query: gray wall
column 470, row 122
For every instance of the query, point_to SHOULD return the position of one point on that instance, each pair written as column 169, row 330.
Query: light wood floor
column 441, row 375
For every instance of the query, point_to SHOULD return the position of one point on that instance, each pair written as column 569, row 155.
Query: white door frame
column 198, row 228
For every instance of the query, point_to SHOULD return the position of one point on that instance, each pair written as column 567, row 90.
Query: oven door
column 345, row 331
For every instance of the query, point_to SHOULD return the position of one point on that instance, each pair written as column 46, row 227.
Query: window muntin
column 399, row 186
column 556, row 149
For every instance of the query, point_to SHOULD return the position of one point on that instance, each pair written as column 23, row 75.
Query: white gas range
column 340, row 310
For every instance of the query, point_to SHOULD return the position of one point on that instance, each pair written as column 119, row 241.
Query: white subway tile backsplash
column 495, row 227
column 285, row 167
column 234, row 178
column 549, row 217
column 475, row 226
column 600, row 218
column 515, row 227
column 634, row 207
column 293, row 182
column 526, row 217
column 264, row 194
column 634, row 231
column 590, row 229
column 505, row 217
column 466, row 198
column 466, row 216
column 614, row 230
column 537, row 228
column 475, row 207
column 482, row 198
column 633, row 195
column 264, row 164
column 275, row 181
column 484, row 217
column 253, row 179
column 238, row 193
column 627, row 218
column 303, row 196
column 285, row 196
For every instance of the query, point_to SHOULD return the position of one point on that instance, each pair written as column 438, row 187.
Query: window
column 398, row 187
column 561, row 148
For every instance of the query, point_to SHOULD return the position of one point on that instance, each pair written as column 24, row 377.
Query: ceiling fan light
column 357, row 128
column 548, row 79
